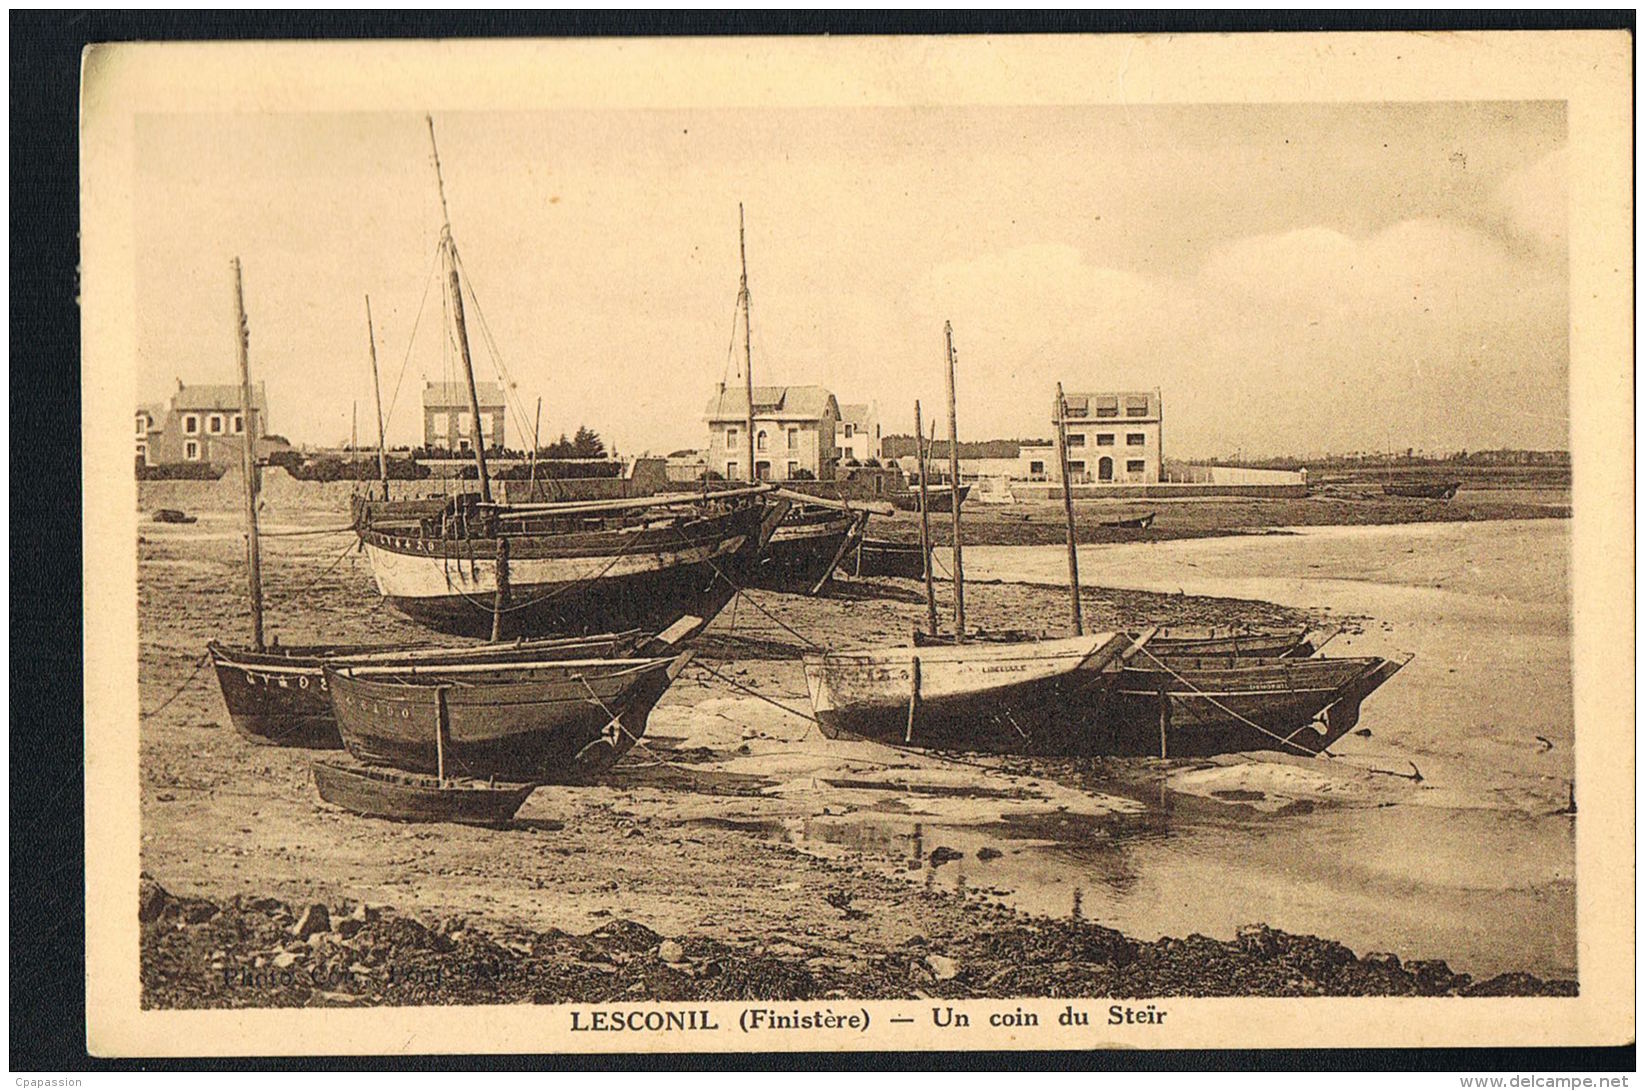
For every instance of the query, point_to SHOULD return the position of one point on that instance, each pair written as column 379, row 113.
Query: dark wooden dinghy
column 1176, row 707
column 545, row 721
column 279, row 696
column 879, row 557
column 1035, row 697
column 1422, row 490
column 1134, row 522
column 408, row 797
column 172, row 515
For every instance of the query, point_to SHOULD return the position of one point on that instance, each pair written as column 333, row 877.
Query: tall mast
column 1068, row 510
column 248, row 463
column 954, row 492
column 536, row 442
column 449, row 248
column 925, row 520
column 748, row 340
column 377, row 390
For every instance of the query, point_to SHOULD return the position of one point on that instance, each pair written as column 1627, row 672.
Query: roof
column 790, row 402
column 455, row 395
column 1111, row 403
column 855, row 413
column 217, row 396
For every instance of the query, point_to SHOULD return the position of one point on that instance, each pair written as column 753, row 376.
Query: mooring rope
column 199, row 665
column 1284, row 740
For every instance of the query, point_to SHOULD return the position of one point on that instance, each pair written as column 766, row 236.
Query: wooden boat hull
column 804, row 549
column 280, row 696
column 572, row 583
column 876, row 557
column 1030, row 698
column 1436, row 490
column 381, row 793
column 1141, row 522
column 1189, row 640
column 942, row 498
column 1217, row 705
column 562, row 723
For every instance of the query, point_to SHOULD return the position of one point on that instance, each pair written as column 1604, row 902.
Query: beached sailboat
column 1217, row 704
column 476, row 567
column 539, row 722
column 1005, row 696
column 410, row 797
column 939, row 497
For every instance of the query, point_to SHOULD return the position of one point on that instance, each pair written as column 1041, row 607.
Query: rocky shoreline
column 262, row 952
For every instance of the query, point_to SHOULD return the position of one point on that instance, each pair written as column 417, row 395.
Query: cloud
column 1533, row 205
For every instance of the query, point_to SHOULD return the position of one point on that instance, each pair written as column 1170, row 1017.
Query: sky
column 1294, row 278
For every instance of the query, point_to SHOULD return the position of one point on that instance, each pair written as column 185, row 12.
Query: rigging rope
column 1283, row 740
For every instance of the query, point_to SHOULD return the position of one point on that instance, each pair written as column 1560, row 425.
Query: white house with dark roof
column 795, row 429
column 448, row 416
column 1113, row 438
column 859, row 434
column 201, row 423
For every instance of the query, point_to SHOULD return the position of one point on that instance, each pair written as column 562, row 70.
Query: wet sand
column 740, row 823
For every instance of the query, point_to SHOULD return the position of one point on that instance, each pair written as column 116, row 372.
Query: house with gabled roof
column 201, row 423
column 448, row 415
column 795, row 430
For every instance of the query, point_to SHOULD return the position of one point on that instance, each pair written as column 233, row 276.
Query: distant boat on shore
column 1422, row 490
column 941, row 497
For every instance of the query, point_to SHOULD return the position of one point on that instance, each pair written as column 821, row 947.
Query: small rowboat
column 1021, row 697
column 172, row 515
column 1171, row 642
column 1136, row 522
column 407, row 797
column 1422, row 490
column 878, row 557
column 544, row 721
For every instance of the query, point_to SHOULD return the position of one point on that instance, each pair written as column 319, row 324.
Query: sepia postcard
column 953, row 543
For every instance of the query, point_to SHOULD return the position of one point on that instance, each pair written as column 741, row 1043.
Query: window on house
column 759, row 440
column 142, row 424
column 731, row 471
column 1076, row 467
column 215, row 424
column 465, row 445
column 1136, row 407
column 762, row 471
column 850, row 430
column 191, row 450
column 1076, row 439
column 1036, row 468
column 793, row 439
column 1136, row 466
column 730, row 437
column 793, row 469
column 1105, row 439
column 1136, row 439
column 191, row 424
column 143, row 453
column 239, row 424
column 1108, row 407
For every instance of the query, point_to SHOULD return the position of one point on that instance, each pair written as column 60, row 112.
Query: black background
column 47, row 712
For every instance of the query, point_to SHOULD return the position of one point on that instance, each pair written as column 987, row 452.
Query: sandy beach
column 738, row 824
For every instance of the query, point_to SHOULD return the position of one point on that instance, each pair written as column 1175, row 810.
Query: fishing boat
column 1031, row 697
column 1221, row 704
column 807, row 547
column 1177, row 641
column 1422, row 490
column 1293, row 642
column 278, row 696
column 173, row 515
column 541, row 722
column 939, row 497
column 1135, row 522
column 476, row 567
column 408, row 797
column 880, row 557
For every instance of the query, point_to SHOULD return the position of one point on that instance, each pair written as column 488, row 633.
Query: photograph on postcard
column 705, row 565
